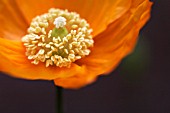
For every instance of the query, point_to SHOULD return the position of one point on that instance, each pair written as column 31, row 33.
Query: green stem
column 59, row 99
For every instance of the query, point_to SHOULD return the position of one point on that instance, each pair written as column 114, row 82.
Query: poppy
column 115, row 23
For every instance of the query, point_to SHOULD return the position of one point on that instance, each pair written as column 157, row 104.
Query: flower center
column 58, row 38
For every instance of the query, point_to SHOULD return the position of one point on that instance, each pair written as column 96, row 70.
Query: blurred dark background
column 140, row 84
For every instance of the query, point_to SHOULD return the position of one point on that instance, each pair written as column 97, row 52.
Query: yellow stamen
column 58, row 38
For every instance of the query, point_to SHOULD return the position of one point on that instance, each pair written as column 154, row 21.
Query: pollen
column 58, row 38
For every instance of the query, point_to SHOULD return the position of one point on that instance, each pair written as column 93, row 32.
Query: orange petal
column 99, row 13
column 77, row 81
column 117, row 41
column 13, row 24
column 14, row 62
column 33, row 8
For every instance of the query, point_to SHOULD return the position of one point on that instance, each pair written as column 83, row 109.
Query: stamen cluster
column 59, row 46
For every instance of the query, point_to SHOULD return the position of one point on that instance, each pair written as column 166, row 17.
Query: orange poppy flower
column 115, row 23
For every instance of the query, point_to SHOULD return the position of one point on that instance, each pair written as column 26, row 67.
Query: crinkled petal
column 13, row 24
column 14, row 62
column 33, row 8
column 117, row 41
column 76, row 81
column 99, row 13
